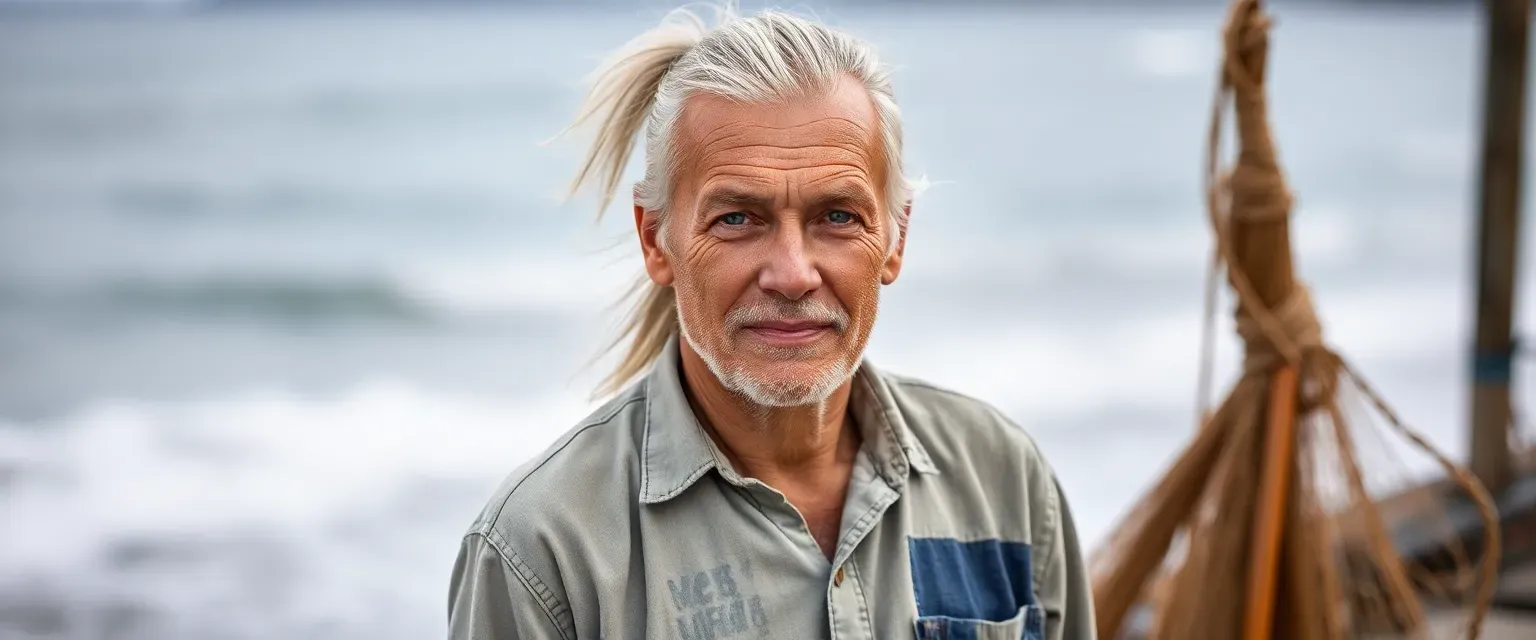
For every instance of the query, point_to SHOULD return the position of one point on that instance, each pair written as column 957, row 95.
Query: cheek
column 855, row 278
column 711, row 275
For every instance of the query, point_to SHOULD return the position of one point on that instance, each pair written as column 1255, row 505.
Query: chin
column 792, row 385
column 776, row 376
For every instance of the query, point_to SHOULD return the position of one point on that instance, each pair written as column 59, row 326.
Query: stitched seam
column 645, row 445
column 890, row 433
column 603, row 421
column 687, row 481
column 858, row 528
column 529, row 580
column 917, row 594
column 558, row 611
column 858, row 584
column 1052, row 516
column 913, row 446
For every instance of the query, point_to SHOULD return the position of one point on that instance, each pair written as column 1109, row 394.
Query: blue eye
column 841, row 217
column 734, row 219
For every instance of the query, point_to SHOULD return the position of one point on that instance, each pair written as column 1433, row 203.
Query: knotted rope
column 1254, row 193
column 1205, row 501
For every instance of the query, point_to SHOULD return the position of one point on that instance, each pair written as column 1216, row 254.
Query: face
column 775, row 244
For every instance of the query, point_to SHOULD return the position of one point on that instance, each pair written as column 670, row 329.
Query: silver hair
column 646, row 84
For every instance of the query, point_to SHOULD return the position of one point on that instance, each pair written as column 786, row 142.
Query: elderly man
column 761, row 480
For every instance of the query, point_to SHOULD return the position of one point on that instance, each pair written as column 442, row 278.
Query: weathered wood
column 1269, row 517
column 1508, row 27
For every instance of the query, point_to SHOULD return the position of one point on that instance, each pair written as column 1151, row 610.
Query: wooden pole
column 1262, row 250
column 1498, row 230
column 1269, row 517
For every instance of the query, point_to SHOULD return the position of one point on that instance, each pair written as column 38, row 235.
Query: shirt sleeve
column 489, row 599
column 1065, row 593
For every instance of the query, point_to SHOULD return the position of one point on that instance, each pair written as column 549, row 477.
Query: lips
column 788, row 332
column 789, row 326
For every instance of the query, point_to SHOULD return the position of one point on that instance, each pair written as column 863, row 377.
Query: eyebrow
column 724, row 197
column 845, row 193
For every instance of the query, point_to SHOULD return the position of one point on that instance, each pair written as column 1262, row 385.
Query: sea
column 286, row 290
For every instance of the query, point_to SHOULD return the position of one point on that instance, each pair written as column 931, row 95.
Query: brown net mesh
column 1273, row 521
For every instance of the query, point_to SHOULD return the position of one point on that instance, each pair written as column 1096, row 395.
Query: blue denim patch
column 987, row 580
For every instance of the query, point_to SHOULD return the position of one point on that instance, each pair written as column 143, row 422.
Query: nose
column 790, row 271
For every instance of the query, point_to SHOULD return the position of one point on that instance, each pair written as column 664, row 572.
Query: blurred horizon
column 284, row 293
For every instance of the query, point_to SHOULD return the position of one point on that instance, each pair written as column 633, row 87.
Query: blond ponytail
column 624, row 90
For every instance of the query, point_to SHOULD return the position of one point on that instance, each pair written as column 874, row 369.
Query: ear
column 892, row 266
column 657, row 264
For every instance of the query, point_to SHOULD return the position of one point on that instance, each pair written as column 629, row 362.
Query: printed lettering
column 724, row 583
column 695, row 631
column 681, row 597
column 759, row 619
column 714, row 621
column 712, row 605
column 693, row 592
column 737, row 618
column 701, row 595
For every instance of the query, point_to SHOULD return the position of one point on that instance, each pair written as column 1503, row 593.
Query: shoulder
column 588, row 474
column 538, row 521
column 955, row 427
column 986, row 462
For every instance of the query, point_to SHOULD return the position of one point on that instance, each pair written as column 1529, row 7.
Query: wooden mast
column 1508, row 26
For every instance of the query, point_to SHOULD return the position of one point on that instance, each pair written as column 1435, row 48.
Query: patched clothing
column 635, row 525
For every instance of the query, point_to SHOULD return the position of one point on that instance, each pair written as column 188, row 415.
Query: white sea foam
column 264, row 504
column 582, row 284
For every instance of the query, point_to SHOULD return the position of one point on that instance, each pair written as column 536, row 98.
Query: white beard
column 773, row 393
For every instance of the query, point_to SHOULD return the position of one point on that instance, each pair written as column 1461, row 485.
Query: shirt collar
column 676, row 452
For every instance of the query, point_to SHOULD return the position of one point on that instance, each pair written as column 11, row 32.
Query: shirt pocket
column 1028, row 624
column 974, row 589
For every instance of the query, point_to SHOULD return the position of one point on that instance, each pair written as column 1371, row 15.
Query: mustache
column 788, row 311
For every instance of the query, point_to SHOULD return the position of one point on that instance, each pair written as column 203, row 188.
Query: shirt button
column 837, row 578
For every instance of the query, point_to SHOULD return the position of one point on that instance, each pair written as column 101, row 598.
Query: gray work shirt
column 634, row 525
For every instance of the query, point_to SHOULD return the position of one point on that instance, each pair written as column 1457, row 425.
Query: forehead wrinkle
column 845, row 188
column 802, row 152
column 754, row 180
column 855, row 178
column 742, row 128
column 729, row 136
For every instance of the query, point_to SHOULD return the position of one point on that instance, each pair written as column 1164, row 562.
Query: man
column 760, row 480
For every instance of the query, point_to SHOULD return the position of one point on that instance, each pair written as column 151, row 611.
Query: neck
column 778, row 445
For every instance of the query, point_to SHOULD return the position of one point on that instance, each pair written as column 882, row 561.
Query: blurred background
column 286, row 288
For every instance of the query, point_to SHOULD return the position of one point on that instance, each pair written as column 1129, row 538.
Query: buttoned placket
column 869, row 495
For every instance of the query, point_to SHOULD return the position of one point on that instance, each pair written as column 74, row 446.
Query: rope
column 1254, row 193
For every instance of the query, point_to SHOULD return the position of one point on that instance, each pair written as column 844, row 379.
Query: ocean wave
column 262, row 514
column 292, row 299
column 419, row 293
column 284, row 202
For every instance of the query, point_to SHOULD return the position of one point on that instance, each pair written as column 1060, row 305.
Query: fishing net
column 1274, row 521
